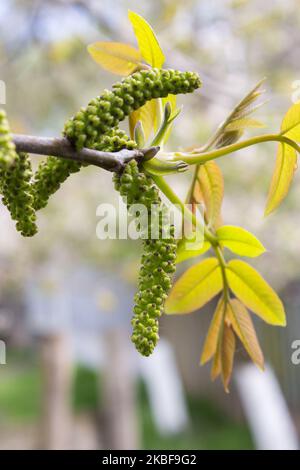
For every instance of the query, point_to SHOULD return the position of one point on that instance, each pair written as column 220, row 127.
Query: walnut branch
column 62, row 148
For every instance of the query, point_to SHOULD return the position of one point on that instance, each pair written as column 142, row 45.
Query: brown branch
column 62, row 148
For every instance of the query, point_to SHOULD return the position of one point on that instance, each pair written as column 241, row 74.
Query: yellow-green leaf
column 227, row 355
column 251, row 288
column 190, row 248
column 242, row 324
column 290, row 126
column 147, row 41
column 286, row 162
column 116, row 57
column 147, row 115
column 208, row 189
column 212, row 337
column 240, row 241
column 197, row 286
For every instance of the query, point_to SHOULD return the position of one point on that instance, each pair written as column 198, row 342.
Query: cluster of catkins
column 96, row 127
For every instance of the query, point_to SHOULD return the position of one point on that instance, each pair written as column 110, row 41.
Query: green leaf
column 286, row 161
column 187, row 248
column 116, row 57
column 242, row 324
column 240, row 241
column 213, row 335
column 147, row 41
column 251, row 289
column 197, row 286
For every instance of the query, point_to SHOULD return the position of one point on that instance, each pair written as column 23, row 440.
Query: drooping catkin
column 15, row 176
column 158, row 258
column 16, row 194
column 53, row 171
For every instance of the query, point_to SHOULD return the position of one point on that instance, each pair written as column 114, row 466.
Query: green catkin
column 107, row 110
column 15, row 176
column 96, row 126
column 49, row 176
column 158, row 259
column 16, row 191
column 52, row 172
column 7, row 147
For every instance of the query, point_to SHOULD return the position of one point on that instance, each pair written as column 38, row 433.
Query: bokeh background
column 72, row 378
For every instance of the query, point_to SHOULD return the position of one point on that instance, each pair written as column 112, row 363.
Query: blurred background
column 72, row 379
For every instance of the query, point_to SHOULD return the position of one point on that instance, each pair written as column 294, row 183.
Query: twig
column 62, row 148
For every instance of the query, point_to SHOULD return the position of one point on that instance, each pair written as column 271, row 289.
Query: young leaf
column 208, row 189
column 216, row 365
column 239, row 241
column 147, row 41
column 197, row 286
column 186, row 249
column 229, row 132
column 227, row 355
column 290, row 126
column 286, row 160
column 251, row 288
column 213, row 335
column 172, row 100
column 283, row 174
column 116, row 57
column 242, row 325
column 147, row 115
column 241, row 124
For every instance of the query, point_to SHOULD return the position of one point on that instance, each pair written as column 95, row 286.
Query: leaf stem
column 169, row 193
column 198, row 158
column 222, row 262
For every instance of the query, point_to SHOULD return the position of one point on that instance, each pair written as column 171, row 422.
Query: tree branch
column 62, row 148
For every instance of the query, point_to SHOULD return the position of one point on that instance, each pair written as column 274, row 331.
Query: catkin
column 15, row 176
column 158, row 258
column 95, row 127
column 7, row 147
column 53, row 171
column 107, row 110
column 16, row 194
